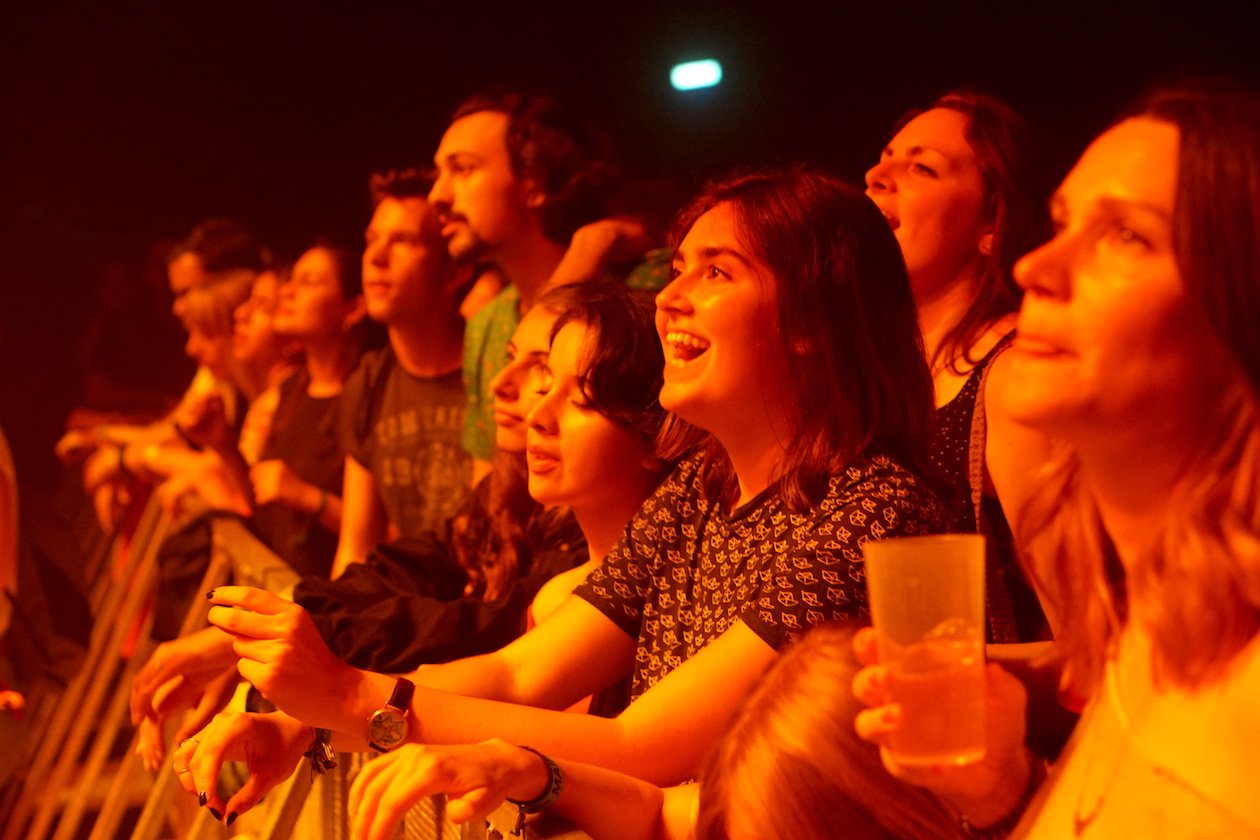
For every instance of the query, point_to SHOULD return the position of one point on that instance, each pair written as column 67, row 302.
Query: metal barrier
column 49, row 793
column 62, row 788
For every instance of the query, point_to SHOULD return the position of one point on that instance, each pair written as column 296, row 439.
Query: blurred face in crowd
column 717, row 324
column 312, row 303
column 481, row 203
column 576, row 455
column 184, row 274
column 210, row 352
column 253, row 335
column 928, row 185
column 1108, row 336
column 517, row 388
column 404, row 261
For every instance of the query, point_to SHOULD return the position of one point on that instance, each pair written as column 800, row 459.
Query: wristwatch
column 388, row 725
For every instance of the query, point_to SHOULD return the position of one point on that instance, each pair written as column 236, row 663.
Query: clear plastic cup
column 927, row 607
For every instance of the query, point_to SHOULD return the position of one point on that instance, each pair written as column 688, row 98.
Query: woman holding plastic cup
column 1137, row 345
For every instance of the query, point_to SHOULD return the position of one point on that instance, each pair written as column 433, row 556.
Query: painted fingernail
column 201, row 799
column 210, row 595
column 216, row 814
column 231, row 819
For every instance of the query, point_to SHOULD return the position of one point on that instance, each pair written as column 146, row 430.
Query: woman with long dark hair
column 790, row 340
column 960, row 185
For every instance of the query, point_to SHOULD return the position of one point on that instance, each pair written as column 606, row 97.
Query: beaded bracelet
column 543, row 800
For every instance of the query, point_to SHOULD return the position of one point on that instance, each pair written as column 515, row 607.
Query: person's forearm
column 237, row 473
column 314, row 501
column 354, row 542
column 330, row 514
column 159, row 460
column 656, row 754
column 119, row 434
column 609, row 805
column 363, row 522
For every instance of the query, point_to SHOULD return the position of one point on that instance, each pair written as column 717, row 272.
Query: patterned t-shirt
column 685, row 571
column 404, row 430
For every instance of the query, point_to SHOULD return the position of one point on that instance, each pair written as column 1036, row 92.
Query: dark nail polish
column 201, row 799
column 210, row 595
column 231, row 819
column 215, row 813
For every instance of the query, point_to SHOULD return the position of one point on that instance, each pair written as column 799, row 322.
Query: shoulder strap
column 1001, row 614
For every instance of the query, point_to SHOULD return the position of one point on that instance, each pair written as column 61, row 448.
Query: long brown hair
column 1198, row 585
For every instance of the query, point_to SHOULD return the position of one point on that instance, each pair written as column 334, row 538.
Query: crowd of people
column 578, row 505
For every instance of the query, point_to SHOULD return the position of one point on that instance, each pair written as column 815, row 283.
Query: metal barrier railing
column 62, row 788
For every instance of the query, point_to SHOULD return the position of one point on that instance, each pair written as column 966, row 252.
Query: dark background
column 125, row 124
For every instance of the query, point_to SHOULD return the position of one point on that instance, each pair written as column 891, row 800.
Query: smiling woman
column 809, row 449
column 787, row 333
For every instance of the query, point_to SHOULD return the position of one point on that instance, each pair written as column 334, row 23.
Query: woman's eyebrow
column 724, row 251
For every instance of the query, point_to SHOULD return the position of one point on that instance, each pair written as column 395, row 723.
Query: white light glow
column 692, row 75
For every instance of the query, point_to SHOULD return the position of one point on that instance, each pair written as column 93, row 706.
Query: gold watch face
column 387, row 728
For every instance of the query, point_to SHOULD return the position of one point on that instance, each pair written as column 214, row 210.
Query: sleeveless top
column 957, row 452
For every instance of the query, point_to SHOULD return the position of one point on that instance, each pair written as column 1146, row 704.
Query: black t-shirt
column 685, row 570
column 405, row 430
column 304, row 436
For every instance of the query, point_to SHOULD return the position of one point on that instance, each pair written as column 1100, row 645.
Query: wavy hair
column 570, row 160
column 622, row 379
column 1198, row 584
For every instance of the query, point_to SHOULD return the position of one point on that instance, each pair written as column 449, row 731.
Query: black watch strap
column 404, row 690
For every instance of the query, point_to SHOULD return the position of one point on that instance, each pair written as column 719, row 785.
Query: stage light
column 692, row 75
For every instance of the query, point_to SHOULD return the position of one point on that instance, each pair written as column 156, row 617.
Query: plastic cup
column 927, row 607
